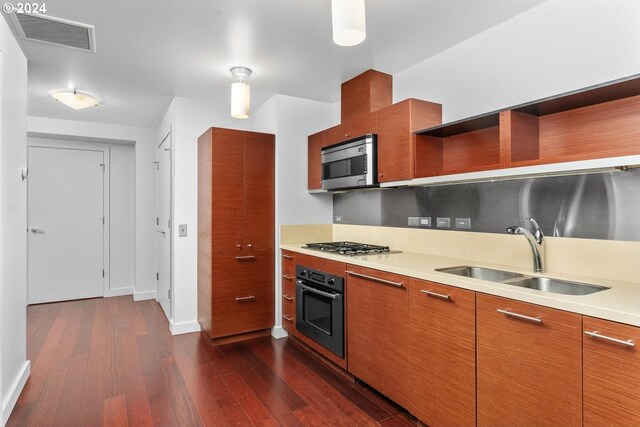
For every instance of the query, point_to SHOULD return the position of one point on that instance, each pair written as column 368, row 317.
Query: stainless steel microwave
column 350, row 164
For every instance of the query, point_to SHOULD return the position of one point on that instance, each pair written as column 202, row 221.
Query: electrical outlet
column 463, row 223
column 414, row 221
column 425, row 221
column 443, row 222
column 337, row 218
column 182, row 230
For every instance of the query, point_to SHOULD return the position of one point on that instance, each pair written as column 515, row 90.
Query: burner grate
column 349, row 248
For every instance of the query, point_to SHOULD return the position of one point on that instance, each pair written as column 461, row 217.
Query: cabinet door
column 314, row 162
column 259, row 191
column 377, row 315
column 442, row 357
column 611, row 374
column 242, row 293
column 395, row 152
column 529, row 364
column 361, row 125
column 227, row 192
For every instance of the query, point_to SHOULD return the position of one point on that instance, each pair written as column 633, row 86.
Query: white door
column 65, row 224
column 163, row 223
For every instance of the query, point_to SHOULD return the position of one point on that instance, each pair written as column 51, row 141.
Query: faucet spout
column 535, row 240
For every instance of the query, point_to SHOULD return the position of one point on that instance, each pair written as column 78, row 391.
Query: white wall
column 14, row 367
column 121, row 164
column 144, row 140
column 293, row 120
column 558, row 46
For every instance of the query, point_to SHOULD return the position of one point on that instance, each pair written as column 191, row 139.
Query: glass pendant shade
column 348, row 20
column 240, row 100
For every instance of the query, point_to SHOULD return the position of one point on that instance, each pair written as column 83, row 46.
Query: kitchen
column 448, row 240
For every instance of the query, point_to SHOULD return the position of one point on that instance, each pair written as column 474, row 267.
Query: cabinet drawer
column 289, row 263
column 288, row 306
column 242, row 271
column 237, row 311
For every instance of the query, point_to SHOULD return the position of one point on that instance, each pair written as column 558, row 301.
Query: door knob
column 37, row 231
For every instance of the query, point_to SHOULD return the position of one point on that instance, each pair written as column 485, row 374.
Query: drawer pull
column 245, row 258
column 287, row 297
column 287, row 318
column 376, row 279
column 249, row 298
column 436, row 295
column 520, row 316
column 287, row 256
column 595, row 334
column 286, row 276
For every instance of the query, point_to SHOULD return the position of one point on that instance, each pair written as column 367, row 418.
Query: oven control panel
column 320, row 278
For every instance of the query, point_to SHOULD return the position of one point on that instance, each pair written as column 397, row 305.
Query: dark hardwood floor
column 113, row 362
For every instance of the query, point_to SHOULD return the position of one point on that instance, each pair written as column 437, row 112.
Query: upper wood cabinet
column 365, row 93
column 611, row 373
column 354, row 128
column 314, row 171
column 377, row 330
column 442, row 356
column 529, row 364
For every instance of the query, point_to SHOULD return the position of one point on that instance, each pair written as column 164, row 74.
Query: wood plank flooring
column 113, row 362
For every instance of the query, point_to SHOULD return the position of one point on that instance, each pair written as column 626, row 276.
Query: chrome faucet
column 536, row 241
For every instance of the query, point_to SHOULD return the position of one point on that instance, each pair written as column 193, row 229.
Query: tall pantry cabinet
column 236, row 220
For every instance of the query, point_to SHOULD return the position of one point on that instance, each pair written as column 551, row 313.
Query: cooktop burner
column 350, row 248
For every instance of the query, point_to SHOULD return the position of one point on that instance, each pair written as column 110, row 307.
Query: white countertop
column 620, row 303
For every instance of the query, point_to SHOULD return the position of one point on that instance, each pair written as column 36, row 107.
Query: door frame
column 168, row 134
column 106, row 208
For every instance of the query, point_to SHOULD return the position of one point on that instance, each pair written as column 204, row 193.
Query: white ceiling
column 149, row 51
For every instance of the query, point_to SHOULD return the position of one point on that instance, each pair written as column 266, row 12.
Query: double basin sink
column 545, row 284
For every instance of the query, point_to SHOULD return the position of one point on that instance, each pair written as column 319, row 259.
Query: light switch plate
column 425, row 221
column 413, row 221
column 463, row 223
column 443, row 222
column 182, row 230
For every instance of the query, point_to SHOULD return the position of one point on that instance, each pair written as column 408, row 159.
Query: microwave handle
column 315, row 291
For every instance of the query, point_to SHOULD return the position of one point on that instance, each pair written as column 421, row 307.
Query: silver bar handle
column 287, row 256
column 315, row 291
column 436, row 295
column 376, row 279
column 520, row 316
column 247, row 257
column 286, row 276
column 595, row 334
column 287, row 297
column 250, row 297
column 287, row 318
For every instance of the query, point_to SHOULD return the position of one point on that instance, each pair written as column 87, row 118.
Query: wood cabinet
column 314, row 161
column 611, row 373
column 377, row 334
column 354, row 128
column 288, row 281
column 529, row 364
column 236, row 220
column 442, row 357
column 365, row 93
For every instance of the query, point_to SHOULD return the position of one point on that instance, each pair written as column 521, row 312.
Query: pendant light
column 348, row 20
column 240, row 93
column 76, row 99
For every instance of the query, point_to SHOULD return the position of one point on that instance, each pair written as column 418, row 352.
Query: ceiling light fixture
column 348, row 20
column 76, row 99
column 240, row 93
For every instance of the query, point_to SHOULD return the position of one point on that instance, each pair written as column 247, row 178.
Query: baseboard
column 141, row 296
column 118, row 292
column 14, row 392
column 184, row 327
column 278, row 332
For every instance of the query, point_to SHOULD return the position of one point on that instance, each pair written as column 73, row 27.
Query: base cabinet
column 442, row 357
column 611, row 373
column 288, row 280
column 529, row 364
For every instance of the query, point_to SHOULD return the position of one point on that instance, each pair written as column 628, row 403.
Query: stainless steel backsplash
column 595, row 206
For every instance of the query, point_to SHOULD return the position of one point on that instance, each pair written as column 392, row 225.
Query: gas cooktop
column 350, row 248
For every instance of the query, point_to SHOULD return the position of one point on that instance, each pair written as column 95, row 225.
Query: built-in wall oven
column 320, row 308
column 350, row 164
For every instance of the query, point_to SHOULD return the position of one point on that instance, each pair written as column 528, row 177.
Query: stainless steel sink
column 545, row 284
column 481, row 273
column 557, row 286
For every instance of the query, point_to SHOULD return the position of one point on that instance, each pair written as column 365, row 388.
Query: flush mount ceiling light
column 240, row 93
column 348, row 20
column 76, row 99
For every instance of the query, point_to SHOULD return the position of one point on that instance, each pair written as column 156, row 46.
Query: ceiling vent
column 56, row 31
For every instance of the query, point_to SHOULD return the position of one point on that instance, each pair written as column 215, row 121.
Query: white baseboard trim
column 118, row 292
column 184, row 327
column 278, row 332
column 14, row 392
column 141, row 296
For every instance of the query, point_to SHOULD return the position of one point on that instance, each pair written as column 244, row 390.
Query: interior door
column 66, row 229
column 163, row 223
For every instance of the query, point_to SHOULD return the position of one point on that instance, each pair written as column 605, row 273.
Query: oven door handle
column 315, row 291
